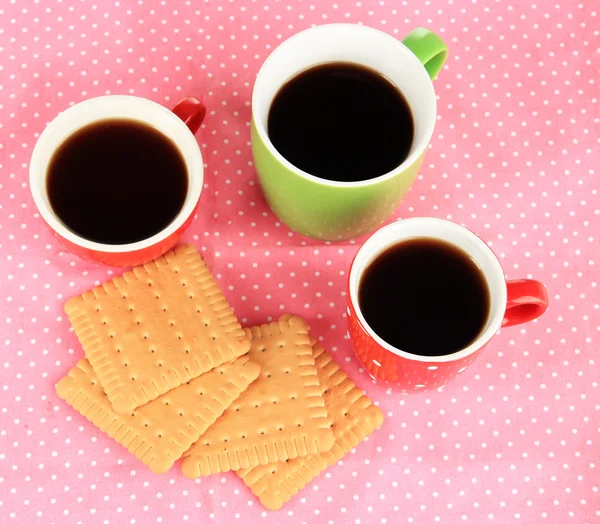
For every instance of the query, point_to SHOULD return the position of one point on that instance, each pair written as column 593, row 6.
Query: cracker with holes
column 160, row 431
column 353, row 418
column 282, row 414
column 156, row 327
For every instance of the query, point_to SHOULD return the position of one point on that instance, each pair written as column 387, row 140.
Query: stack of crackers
column 170, row 373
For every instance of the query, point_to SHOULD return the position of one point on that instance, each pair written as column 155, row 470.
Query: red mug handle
column 527, row 300
column 191, row 111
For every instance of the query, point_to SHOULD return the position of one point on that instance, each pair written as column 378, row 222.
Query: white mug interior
column 348, row 43
column 106, row 108
column 452, row 233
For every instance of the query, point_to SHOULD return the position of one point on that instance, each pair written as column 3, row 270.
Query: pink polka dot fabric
column 514, row 157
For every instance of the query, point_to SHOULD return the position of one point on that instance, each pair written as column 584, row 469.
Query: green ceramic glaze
column 323, row 211
column 335, row 211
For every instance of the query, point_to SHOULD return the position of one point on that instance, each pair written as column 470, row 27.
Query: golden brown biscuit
column 160, row 431
column 353, row 417
column 156, row 327
column 282, row 414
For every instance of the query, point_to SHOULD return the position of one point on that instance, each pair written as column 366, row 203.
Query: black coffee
column 117, row 181
column 425, row 297
column 341, row 121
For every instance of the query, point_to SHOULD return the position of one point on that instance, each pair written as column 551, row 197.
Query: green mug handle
column 429, row 48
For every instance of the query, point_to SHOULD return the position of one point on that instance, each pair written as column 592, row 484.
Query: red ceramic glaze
column 411, row 374
column 523, row 301
column 527, row 299
column 128, row 258
column 190, row 111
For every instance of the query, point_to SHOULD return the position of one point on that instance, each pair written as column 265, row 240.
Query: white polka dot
column 511, row 157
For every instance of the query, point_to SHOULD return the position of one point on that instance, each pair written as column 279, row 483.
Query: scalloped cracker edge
column 159, row 432
column 282, row 414
column 155, row 328
column 353, row 417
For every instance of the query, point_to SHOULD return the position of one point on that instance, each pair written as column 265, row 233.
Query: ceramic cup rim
column 405, row 229
column 104, row 108
column 360, row 30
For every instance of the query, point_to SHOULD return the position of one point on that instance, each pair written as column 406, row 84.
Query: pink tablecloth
column 514, row 157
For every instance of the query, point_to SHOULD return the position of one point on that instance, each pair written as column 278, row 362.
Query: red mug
column 179, row 125
column 511, row 303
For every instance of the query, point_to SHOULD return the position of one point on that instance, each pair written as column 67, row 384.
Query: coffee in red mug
column 425, row 296
column 118, row 178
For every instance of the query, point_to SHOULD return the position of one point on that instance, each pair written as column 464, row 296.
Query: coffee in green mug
column 333, row 173
column 329, row 109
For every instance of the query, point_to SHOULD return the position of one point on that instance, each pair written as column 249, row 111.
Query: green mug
column 330, row 210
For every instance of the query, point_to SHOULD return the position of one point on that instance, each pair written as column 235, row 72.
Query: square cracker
column 353, row 418
column 282, row 414
column 160, row 431
column 156, row 327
